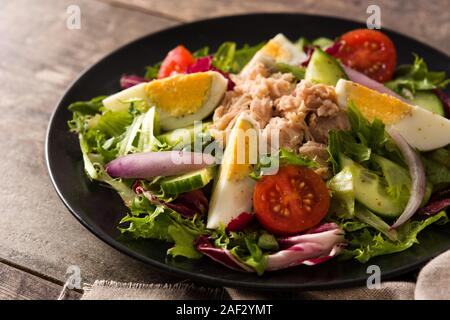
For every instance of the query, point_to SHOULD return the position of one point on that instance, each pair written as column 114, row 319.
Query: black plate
column 99, row 208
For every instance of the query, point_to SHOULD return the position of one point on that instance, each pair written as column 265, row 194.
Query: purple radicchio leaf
column 205, row 64
column 445, row 99
column 219, row 255
column 129, row 80
column 437, row 203
column 316, row 246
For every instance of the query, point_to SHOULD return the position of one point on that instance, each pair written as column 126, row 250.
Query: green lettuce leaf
column 151, row 72
column 298, row 72
column 230, row 59
column 365, row 244
column 150, row 221
column 245, row 246
column 269, row 163
column 90, row 107
column 415, row 77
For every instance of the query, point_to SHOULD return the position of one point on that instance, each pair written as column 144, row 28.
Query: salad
column 275, row 155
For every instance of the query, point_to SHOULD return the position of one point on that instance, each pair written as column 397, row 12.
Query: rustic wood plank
column 39, row 57
column 428, row 21
column 18, row 284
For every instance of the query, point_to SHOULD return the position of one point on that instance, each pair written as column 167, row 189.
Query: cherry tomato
column 293, row 200
column 176, row 61
column 370, row 52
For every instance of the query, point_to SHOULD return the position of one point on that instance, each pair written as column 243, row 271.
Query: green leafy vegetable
column 365, row 243
column 152, row 71
column 243, row 245
column 202, row 52
column 147, row 220
column 322, row 42
column 436, row 173
column 270, row 163
column 90, row 107
column 111, row 123
column 229, row 59
column 224, row 57
column 416, row 77
column 298, row 72
column 364, row 139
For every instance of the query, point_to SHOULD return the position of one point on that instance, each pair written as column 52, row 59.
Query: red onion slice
column 153, row 164
column 417, row 174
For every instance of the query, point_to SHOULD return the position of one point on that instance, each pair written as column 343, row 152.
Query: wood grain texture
column 428, row 21
column 39, row 57
column 16, row 284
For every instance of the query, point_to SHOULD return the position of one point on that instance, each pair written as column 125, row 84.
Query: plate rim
column 178, row 272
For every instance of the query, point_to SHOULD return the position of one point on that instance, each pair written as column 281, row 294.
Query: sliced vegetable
column 311, row 248
column 417, row 173
column 364, row 215
column 323, row 68
column 187, row 182
column 322, row 42
column 129, row 80
column 429, row 101
column 176, row 61
column 153, row 164
column 291, row 201
column 370, row 190
column 370, row 52
column 181, row 137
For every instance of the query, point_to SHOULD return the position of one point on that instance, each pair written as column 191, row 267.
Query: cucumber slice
column 323, row 68
column 428, row 100
column 370, row 190
column 182, row 136
column 322, row 42
column 188, row 181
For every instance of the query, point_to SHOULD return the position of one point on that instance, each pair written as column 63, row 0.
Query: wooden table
column 40, row 56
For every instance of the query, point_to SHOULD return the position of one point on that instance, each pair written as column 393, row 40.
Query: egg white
column 231, row 196
column 290, row 54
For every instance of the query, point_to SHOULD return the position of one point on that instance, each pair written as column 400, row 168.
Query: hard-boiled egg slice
column 278, row 49
column 180, row 99
column 120, row 100
column 421, row 128
column 233, row 188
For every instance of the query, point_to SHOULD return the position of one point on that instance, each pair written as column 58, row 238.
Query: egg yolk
column 180, row 95
column 275, row 50
column 373, row 104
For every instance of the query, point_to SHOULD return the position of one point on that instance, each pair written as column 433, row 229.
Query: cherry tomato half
column 370, row 52
column 176, row 61
column 293, row 200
